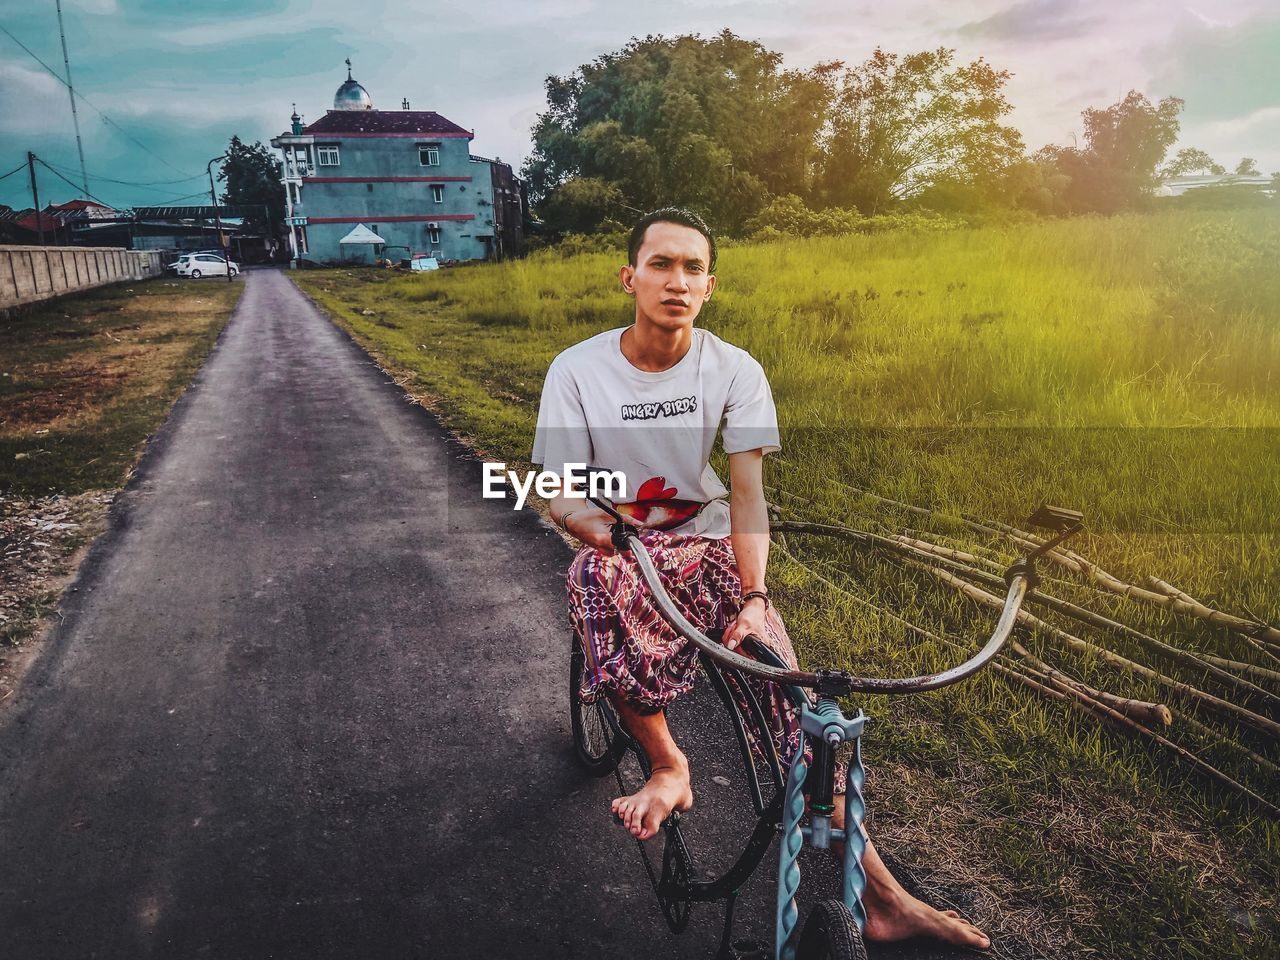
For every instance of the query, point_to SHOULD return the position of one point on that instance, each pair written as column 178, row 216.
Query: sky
column 178, row 79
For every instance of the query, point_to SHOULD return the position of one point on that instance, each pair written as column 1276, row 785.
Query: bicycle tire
column 729, row 832
column 598, row 740
column 831, row 933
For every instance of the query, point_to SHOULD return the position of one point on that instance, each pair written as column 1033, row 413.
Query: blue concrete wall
column 371, row 202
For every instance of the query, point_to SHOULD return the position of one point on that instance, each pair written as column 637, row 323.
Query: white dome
column 352, row 96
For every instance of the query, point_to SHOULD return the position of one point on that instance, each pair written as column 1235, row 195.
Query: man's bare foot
column 898, row 915
column 668, row 789
column 894, row 914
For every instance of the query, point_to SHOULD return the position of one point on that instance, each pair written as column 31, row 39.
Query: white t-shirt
column 657, row 429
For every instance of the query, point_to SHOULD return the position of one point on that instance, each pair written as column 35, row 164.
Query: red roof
column 29, row 222
column 402, row 122
column 76, row 205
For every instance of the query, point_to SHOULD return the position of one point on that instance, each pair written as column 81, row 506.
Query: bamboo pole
column 1252, row 630
column 1076, row 693
column 1102, row 710
column 1258, row 722
column 1191, row 722
column 1156, row 714
column 898, row 545
column 1179, row 603
column 1262, row 673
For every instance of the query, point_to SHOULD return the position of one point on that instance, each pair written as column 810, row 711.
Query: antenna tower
column 71, row 92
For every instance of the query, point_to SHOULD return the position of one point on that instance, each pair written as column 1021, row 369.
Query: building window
column 369, row 187
column 328, row 156
column 437, row 192
column 293, row 192
column 433, row 234
column 429, row 155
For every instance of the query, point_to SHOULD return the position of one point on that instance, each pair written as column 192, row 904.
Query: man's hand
column 592, row 526
column 750, row 622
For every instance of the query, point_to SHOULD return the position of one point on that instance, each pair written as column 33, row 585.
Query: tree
column 252, row 175
column 581, row 205
column 1247, row 167
column 1024, row 184
column 788, row 216
column 713, row 124
column 1124, row 144
column 1190, row 160
column 900, row 125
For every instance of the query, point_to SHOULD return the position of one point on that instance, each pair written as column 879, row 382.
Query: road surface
column 308, row 700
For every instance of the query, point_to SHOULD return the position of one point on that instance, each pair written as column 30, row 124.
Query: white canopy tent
column 363, row 236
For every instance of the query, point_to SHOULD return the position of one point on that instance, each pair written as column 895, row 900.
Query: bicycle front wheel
column 831, row 933
column 598, row 740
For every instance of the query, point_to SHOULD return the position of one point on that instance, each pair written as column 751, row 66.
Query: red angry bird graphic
column 656, row 506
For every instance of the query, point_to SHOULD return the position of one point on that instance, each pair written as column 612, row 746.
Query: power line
column 123, row 132
column 56, row 171
column 133, row 183
column 73, row 185
column 190, row 196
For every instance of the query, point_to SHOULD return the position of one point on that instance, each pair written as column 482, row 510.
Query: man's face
column 670, row 280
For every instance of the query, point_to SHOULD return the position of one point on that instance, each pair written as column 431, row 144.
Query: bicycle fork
column 827, row 728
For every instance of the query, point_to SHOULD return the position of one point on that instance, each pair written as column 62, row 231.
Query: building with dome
column 407, row 176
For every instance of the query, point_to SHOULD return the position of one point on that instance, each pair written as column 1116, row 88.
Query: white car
column 197, row 265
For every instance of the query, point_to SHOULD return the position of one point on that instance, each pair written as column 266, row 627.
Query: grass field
column 1127, row 367
column 84, row 381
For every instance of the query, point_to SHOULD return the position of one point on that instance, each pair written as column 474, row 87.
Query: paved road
column 308, row 699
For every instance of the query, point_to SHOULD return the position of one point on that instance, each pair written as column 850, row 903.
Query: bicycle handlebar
column 841, row 683
column 1021, row 578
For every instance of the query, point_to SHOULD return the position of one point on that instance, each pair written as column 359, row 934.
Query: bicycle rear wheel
column 598, row 739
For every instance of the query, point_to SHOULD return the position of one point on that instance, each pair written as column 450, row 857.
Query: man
column 648, row 401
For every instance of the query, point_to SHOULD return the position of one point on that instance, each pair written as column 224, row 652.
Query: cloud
column 29, row 97
column 1266, row 119
column 1221, row 72
column 1032, row 20
column 100, row 7
column 1229, row 77
column 184, row 78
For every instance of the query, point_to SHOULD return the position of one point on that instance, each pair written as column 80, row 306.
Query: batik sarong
column 631, row 651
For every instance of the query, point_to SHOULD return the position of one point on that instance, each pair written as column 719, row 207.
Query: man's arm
column 583, row 519
column 749, row 525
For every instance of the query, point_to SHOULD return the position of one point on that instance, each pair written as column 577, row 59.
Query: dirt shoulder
column 84, row 382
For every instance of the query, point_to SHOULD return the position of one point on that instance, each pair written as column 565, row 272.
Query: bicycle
column 834, row 927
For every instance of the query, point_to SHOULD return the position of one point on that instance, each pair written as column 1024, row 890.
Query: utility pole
column 35, row 194
column 217, row 217
column 71, row 92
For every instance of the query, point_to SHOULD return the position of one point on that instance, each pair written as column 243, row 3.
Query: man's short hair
column 677, row 215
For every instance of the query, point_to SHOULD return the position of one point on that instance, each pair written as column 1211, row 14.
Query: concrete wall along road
column 32, row 274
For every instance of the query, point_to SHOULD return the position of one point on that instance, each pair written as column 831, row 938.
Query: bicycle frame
column 826, row 727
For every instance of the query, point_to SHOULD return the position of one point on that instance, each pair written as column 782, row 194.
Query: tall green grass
column 1125, row 366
